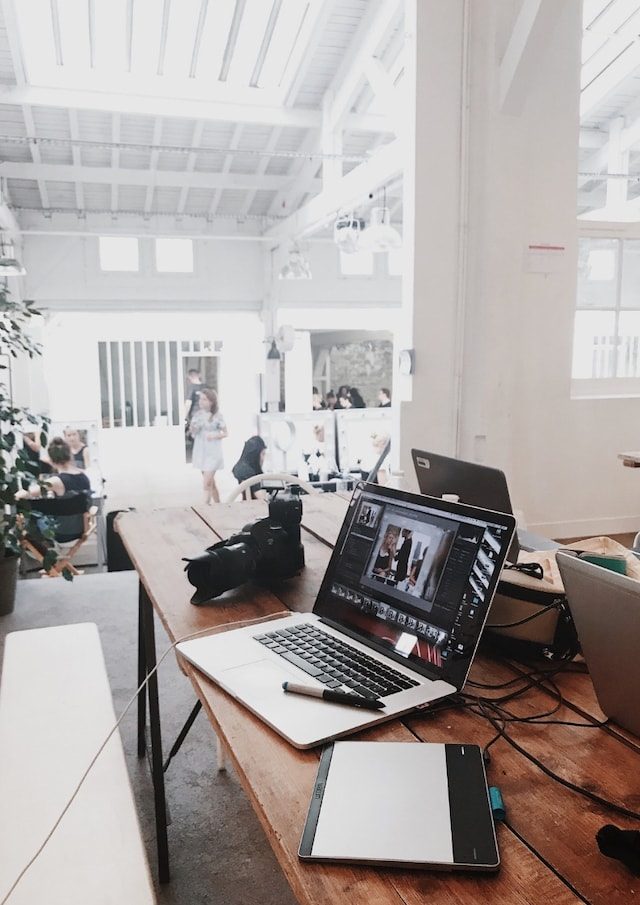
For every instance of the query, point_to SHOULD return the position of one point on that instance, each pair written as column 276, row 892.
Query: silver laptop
column 605, row 607
column 397, row 619
column 472, row 483
column 394, row 804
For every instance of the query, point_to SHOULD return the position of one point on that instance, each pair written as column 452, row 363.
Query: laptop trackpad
column 260, row 680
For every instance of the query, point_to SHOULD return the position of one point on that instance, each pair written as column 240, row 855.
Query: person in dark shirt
column 196, row 387
column 355, row 398
column 403, row 554
column 67, row 477
column 250, row 463
column 384, row 398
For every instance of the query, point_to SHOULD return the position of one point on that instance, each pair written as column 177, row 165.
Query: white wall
column 222, row 301
column 493, row 337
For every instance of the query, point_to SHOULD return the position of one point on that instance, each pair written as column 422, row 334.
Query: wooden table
column 547, row 842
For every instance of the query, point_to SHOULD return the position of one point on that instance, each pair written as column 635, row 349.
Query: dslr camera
column 268, row 549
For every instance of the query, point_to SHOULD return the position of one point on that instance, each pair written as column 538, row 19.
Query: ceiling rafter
column 348, row 80
column 115, row 160
column 153, row 165
column 150, row 178
column 61, row 132
column 196, row 137
column 215, row 201
column 346, row 194
column 75, row 153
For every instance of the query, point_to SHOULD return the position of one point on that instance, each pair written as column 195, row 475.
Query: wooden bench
column 56, row 711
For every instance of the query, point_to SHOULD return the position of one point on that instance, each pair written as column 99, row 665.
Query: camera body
column 268, row 549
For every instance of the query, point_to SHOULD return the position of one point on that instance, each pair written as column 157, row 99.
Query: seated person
column 250, row 464
column 67, row 477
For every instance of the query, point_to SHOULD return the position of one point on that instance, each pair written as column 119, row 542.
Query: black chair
column 74, row 521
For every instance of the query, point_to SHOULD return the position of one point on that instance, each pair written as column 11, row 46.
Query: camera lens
column 223, row 568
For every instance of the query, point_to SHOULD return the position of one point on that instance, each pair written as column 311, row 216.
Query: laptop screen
column 414, row 577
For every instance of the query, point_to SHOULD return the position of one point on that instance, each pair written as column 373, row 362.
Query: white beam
column 161, row 178
column 153, row 163
column 348, row 79
column 346, row 194
column 226, row 166
column 599, row 89
column 148, row 105
column 618, row 162
column 75, row 153
column 525, row 50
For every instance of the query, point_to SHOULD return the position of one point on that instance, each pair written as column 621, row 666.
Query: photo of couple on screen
column 409, row 557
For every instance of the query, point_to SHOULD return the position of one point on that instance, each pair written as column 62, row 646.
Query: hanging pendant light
column 380, row 235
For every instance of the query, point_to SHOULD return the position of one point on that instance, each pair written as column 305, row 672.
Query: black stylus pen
column 338, row 697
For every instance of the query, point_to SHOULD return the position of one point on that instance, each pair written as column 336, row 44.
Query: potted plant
column 16, row 473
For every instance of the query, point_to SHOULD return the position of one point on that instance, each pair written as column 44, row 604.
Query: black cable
column 545, row 609
column 498, row 724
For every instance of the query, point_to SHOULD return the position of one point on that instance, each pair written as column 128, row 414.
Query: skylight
column 179, row 48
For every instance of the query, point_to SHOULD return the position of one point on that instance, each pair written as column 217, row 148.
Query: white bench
column 55, row 712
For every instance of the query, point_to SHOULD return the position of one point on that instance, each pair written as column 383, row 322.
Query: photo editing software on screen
column 417, row 581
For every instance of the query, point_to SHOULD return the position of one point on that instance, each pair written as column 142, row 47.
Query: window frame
column 606, row 387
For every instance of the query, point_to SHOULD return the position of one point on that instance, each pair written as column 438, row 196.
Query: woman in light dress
column 208, row 429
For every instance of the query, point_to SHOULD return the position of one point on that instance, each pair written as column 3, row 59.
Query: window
column 606, row 342
column 174, row 255
column 143, row 383
column 119, row 253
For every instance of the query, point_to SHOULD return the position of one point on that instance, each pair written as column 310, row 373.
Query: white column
column 494, row 168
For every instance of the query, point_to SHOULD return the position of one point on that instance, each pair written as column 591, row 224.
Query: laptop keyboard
column 333, row 662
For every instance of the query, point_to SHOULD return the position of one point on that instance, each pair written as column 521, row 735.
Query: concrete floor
column 219, row 853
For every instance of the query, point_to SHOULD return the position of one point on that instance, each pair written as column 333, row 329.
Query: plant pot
column 8, row 579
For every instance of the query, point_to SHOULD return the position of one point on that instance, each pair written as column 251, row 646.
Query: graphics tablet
column 401, row 804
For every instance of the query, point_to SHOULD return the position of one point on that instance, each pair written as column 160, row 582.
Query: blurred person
column 208, row 429
column 356, row 400
column 79, row 449
column 384, row 398
column 342, row 399
column 331, row 400
column 194, row 389
column 316, row 399
column 250, row 464
column 67, row 478
column 379, row 443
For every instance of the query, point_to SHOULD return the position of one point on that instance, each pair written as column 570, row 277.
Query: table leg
column 146, row 666
column 142, row 675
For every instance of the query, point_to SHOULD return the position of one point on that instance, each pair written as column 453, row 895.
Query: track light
column 346, row 233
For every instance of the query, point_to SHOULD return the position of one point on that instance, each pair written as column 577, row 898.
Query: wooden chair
column 74, row 522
